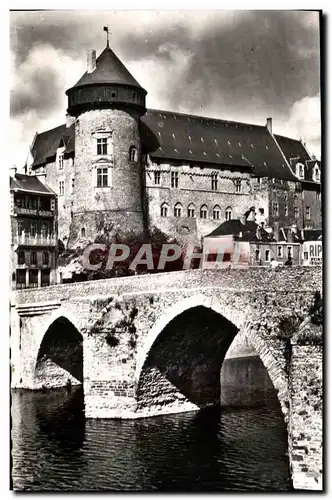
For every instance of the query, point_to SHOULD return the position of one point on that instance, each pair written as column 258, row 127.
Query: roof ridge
column 51, row 129
column 204, row 117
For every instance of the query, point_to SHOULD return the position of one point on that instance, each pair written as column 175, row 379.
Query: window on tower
column 102, row 146
column 133, row 154
column 102, row 177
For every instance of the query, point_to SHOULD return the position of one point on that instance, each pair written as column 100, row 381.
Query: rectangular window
column 305, row 255
column 102, row 146
column 33, row 278
column 296, row 212
column 46, row 258
column 279, row 251
column 267, row 255
column 238, row 186
column 174, row 179
column 257, row 255
column 214, row 182
column 157, row 177
column 21, row 258
column 307, row 213
column 20, row 278
column 33, row 258
column 20, row 228
column 317, row 195
column 61, row 162
column 275, row 209
column 33, row 230
column 45, row 230
column 61, row 188
column 102, row 177
column 286, row 210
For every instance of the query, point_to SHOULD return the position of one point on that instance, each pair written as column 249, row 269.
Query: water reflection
column 233, row 448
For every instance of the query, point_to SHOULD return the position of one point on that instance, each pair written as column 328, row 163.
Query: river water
column 241, row 446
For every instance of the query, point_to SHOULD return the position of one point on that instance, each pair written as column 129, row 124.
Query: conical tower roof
column 109, row 70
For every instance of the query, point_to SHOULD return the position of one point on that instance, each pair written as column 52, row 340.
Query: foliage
column 316, row 310
column 156, row 238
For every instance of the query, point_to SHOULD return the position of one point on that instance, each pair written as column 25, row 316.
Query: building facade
column 117, row 166
column 33, row 232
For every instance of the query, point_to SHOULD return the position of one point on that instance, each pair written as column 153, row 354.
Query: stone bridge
column 155, row 344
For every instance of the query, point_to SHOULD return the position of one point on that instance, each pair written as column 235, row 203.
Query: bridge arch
column 240, row 325
column 58, row 354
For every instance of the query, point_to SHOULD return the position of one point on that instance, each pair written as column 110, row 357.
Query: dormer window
column 60, row 157
column 133, row 154
column 102, row 146
column 300, row 170
column 316, row 174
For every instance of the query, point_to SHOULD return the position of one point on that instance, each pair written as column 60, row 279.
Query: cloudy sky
column 237, row 65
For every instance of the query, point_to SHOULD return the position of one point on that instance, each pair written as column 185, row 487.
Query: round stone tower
column 107, row 184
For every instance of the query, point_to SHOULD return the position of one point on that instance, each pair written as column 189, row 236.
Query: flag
column 106, row 29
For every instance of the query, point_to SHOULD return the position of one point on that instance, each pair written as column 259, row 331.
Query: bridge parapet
column 251, row 279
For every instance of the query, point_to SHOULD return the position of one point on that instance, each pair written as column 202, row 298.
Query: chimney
column 69, row 120
column 13, row 171
column 269, row 124
column 91, row 61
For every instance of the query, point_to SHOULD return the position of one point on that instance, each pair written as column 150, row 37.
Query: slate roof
column 312, row 234
column 109, row 69
column 29, row 183
column 47, row 143
column 292, row 148
column 195, row 139
column 248, row 229
column 200, row 139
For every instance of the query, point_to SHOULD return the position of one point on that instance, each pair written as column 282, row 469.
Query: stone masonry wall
column 195, row 189
column 124, row 193
column 306, row 409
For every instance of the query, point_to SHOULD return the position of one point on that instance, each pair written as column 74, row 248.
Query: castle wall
column 194, row 190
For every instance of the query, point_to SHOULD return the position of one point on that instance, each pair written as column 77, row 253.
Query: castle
column 116, row 165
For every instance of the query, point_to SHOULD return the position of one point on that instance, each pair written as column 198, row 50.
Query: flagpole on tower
column 107, row 31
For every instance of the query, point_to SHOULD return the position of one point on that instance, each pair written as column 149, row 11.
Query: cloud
column 240, row 65
column 305, row 121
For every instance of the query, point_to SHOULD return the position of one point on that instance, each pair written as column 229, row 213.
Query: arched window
column 203, row 212
column 228, row 213
column 164, row 210
column 178, row 210
column 133, row 154
column 216, row 212
column 191, row 210
column 83, row 232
